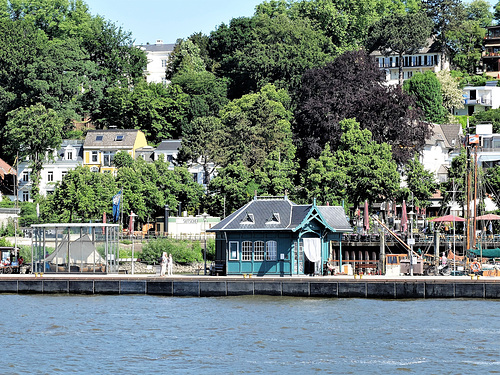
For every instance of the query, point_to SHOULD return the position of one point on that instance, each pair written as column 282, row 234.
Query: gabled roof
column 281, row 214
column 160, row 47
column 6, row 169
column 449, row 134
column 170, row 145
column 111, row 138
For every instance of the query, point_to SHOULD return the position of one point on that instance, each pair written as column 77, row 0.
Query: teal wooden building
column 274, row 236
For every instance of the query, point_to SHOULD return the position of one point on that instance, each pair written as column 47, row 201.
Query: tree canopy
column 426, row 89
column 353, row 87
column 34, row 132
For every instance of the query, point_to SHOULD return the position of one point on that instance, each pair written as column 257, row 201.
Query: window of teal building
column 271, row 250
column 258, row 255
column 233, row 250
column 246, row 251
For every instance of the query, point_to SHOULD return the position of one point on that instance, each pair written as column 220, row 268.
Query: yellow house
column 100, row 147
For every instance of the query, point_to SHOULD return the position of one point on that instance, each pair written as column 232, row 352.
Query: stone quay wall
column 230, row 286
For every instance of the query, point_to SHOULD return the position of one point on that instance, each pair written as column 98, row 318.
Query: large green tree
column 400, row 34
column 201, row 143
column 255, row 51
column 83, row 195
column 34, row 132
column 323, row 180
column 426, row 89
column 354, row 87
column 257, row 125
column 420, row 182
column 56, row 53
column 159, row 111
column 370, row 169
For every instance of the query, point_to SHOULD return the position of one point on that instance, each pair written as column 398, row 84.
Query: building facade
column 274, row 236
column 66, row 158
column 101, row 146
column 491, row 53
column 157, row 55
column 429, row 58
column 479, row 99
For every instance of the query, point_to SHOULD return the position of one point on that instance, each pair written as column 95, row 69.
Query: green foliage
column 466, row 45
column 159, row 111
column 359, row 170
column 123, row 159
column 254, row 52
column 34, row 132
column 182, row 251
column 457, row 180
column 147, row 187
column 7, row 230
column 255, row 125
column 185, row 58
column 370, row 169
column 323, row 180
column 426, row 89
column 207, row 94
column 210, row 249
column 451, row 92
column 492, row 179
column 420, row 182
column 83, row 195
column 233, row 186
column 400, row 33
column 492, row 116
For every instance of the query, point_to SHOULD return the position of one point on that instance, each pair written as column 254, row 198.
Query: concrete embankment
column 205, row 286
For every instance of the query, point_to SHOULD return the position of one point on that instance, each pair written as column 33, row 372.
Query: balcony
column 480, row 101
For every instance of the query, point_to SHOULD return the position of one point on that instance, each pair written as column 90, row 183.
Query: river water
column 50, row 334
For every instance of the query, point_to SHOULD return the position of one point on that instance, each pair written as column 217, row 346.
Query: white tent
column 80, row 251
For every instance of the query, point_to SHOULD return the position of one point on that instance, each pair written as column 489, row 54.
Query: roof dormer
column 249, row 219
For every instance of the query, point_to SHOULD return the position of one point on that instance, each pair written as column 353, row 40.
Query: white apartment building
column 66, row 158
column 157, row 55
column 427, row 58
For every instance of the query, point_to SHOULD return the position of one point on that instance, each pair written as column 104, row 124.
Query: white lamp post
column 411, row 241
column 131, row 230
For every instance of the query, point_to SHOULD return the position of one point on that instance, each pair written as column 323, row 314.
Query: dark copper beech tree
column 352, row 86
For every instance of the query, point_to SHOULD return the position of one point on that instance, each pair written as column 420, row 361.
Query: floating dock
column 209, row 286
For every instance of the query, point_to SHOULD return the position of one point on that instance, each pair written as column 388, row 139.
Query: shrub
column 182, row 251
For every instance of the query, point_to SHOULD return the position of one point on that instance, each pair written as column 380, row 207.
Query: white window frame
column 246, row 251
column 26, row 176
column 50, row 176
column 94, row 157
column 272, row 250
column 234, row 253
column 258, row 251
column 26, row 196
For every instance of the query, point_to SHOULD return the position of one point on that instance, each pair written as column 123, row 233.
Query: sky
column 169, row 20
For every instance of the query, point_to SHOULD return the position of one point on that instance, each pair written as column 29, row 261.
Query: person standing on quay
column 164, row 261
column 170, row 265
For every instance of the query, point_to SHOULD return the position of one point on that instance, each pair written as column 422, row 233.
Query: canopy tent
column 447, row 218
column 488, row 217
column 80, row 251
